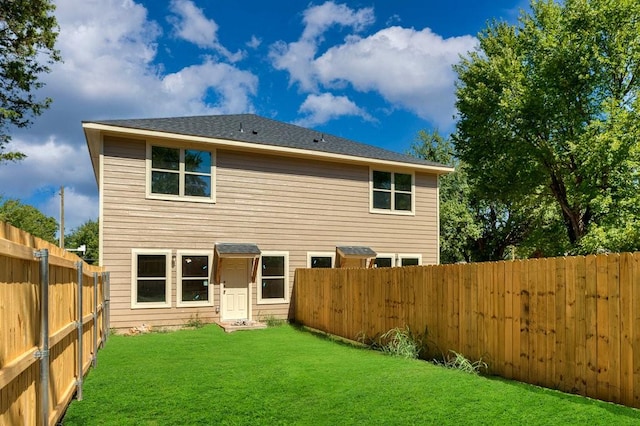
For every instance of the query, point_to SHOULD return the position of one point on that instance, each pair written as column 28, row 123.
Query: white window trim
column 331, row 254
column 179, row 255
column 211, row 199
column 260, row 300
column 391, row 256
column 134, row 279
column 392, row 211
column 409, row 256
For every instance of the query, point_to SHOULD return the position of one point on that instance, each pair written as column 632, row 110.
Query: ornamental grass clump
column 399, row 342
column 457, row 361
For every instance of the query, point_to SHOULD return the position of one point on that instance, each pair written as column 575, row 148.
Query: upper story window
column 180, row 173
column 392, row 192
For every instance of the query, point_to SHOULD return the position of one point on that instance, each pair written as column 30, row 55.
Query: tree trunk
column 574, row 219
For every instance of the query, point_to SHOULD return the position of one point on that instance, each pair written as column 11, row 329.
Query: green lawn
column 283, row 375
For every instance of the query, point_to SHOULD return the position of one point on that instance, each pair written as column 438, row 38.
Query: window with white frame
column 181, row 173
column 384, row 260
column 321, row 259
column 150, row 278
column 194, row 278
column 273, row 284
column 409, row 259
column 392, row 192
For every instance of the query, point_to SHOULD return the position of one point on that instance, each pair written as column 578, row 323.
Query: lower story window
column 384, row 262
column 409, row 259
column 321, row 259
column 273, row 283
column 194, row 272
column 151, row 282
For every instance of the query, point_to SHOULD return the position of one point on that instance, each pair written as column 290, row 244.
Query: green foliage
column 549, row 122
column 457, row 361
column 194, row 321
column 285, row 376
column 28, row 32
column 88, row 234
column 459, row 225
column 29, row 219
column 272, row 321
column 399, row 342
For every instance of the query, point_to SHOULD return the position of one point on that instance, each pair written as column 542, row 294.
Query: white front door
column 235, row 291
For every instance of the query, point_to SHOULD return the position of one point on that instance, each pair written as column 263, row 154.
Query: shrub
column 194, row 322
column 272, row 321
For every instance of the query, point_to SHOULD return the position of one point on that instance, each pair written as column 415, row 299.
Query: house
column 208, row 217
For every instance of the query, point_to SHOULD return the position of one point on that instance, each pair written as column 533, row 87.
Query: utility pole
column 62, row 217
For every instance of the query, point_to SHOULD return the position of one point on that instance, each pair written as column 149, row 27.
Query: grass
column 284, row 375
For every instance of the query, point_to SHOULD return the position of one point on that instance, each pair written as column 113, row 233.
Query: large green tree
column 475, row 229
column 86, row 234
column 28, row 32
column 549, row 118
column 29, row 219
column 459, row 225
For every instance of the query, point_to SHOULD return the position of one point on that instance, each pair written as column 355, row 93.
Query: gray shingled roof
column 235, row 248
column 259, row 130
column 356, row 251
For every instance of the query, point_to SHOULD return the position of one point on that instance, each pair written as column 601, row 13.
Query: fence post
column 43, row 353
column 94, row 360
column 80, row 328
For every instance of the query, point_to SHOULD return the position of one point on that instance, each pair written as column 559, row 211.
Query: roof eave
column 249, row 146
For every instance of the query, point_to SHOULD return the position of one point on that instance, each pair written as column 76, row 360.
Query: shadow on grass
column 574, row 398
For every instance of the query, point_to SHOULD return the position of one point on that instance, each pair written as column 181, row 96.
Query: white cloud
column 49, row 165
column 317, row 19
column 78, row 208
column 325, row 107
column 110, row 70
column 189, row 85
column 410, row 69
column 297, row 57
column 254, row 43
column 190, row 24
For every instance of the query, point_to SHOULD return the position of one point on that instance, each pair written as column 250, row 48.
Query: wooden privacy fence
column 570, row 323
column 50, row 331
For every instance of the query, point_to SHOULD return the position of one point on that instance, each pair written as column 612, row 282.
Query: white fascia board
column 279, row 150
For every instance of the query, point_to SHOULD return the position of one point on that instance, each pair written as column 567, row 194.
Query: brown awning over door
column 236, row 251
column 353, row 252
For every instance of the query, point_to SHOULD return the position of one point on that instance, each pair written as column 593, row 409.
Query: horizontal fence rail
column 569, row 323
column 52, row 323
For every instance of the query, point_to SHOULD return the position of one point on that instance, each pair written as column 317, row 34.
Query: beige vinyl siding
column 281, row 204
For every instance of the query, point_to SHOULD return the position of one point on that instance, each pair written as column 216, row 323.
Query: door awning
column 236, row 251
column 358, row 252
column 354, row 252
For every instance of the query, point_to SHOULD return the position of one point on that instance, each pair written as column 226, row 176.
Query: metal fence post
column 43, row 352
column 94, row 360
column 80, row 328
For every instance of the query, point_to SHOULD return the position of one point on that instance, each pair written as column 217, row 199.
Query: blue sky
column 373, row 71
